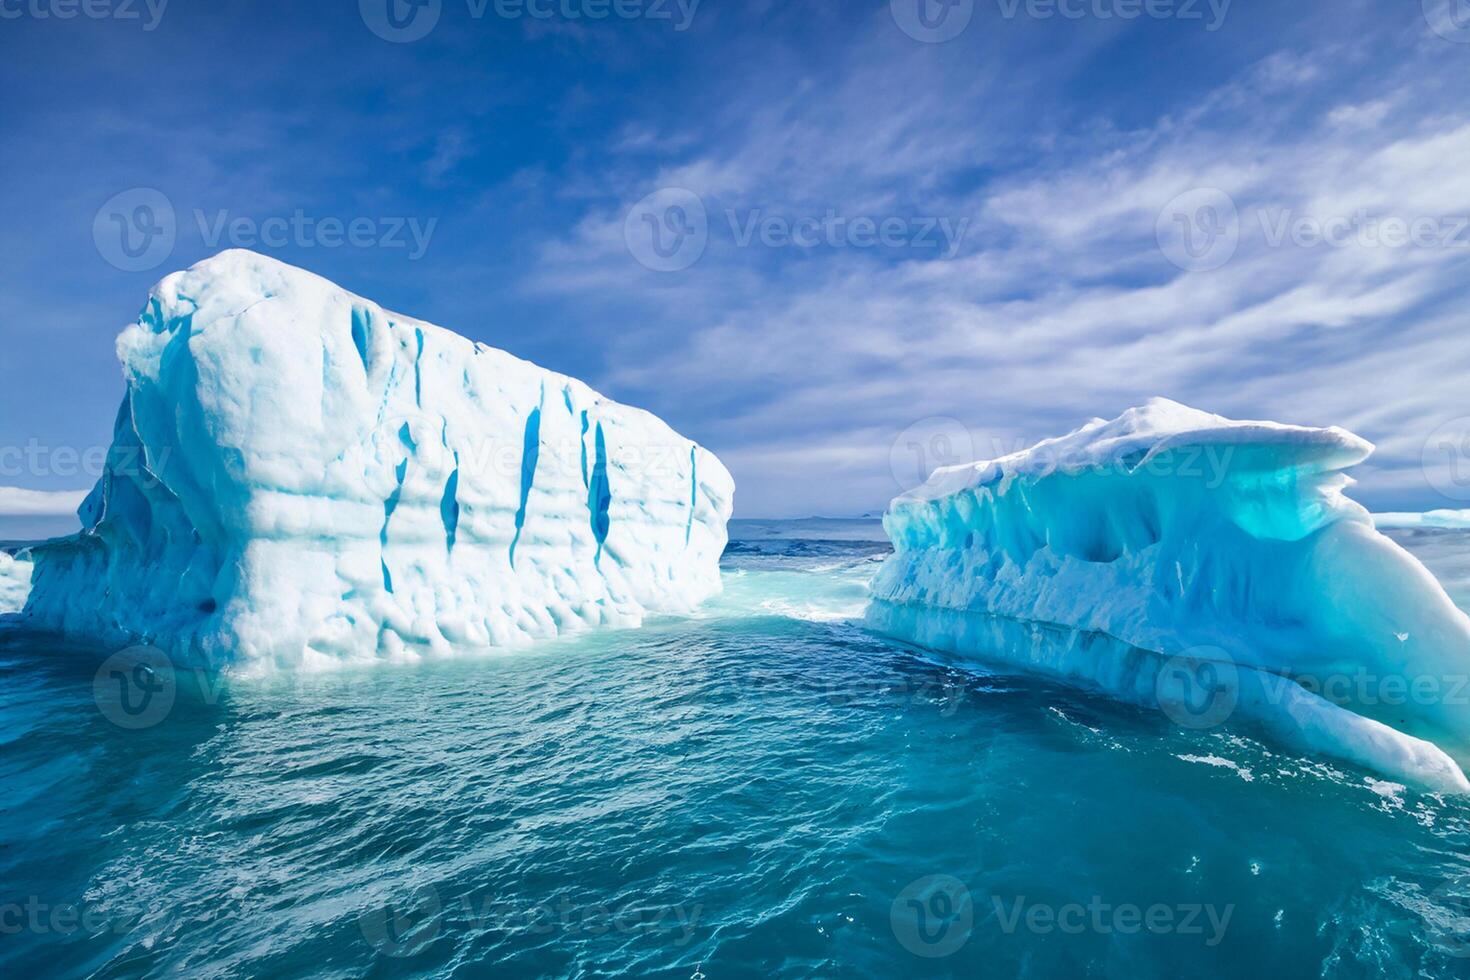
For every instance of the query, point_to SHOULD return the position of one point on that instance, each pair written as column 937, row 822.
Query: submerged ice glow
column 1155, row 554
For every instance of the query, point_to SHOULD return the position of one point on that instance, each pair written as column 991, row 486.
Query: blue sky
column 1031, row 172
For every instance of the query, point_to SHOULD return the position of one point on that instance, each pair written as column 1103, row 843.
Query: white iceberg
column 1178, row 559
column 15, row 582
column 301, row 478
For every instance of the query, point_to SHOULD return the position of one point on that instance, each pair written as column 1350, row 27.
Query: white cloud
column 15, row 502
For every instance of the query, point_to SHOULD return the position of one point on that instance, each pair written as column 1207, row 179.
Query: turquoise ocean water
column 766, row 790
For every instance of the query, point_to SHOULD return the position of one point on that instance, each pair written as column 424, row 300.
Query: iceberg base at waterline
column 1209, row 567
column 299, row 478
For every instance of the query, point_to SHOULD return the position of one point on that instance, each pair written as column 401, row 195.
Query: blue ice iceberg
column 1209, row 567
column 301, row 478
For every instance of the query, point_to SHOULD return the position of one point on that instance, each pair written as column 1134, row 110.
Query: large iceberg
column 301, row 478
column 1182, row 560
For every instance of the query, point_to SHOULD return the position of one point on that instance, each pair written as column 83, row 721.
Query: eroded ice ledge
column 300, row 477
column 1169, row 537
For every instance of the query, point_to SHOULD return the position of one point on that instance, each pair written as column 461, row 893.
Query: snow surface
column 1169, row 532
column 300, row 478
column 15, row 582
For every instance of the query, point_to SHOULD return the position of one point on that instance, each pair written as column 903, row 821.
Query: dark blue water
column 764, row 790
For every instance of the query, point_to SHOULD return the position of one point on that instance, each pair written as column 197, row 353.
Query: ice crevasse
column 300, row 478
column 1209, row 567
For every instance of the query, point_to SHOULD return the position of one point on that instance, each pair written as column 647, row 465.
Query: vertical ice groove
column 389, row 506
column 530, row 454
column 418, row 369
column 360, row 335
column 599, row 495
column 449, row 506
column 584, row 450
column 693, row 493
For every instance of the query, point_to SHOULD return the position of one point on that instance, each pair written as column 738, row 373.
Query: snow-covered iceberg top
column 299, row 477
column 15, row 582
column 1169, row 537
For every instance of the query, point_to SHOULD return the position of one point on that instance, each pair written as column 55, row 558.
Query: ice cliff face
column 1171, row 540
column 15, row 582
column 299, row 477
